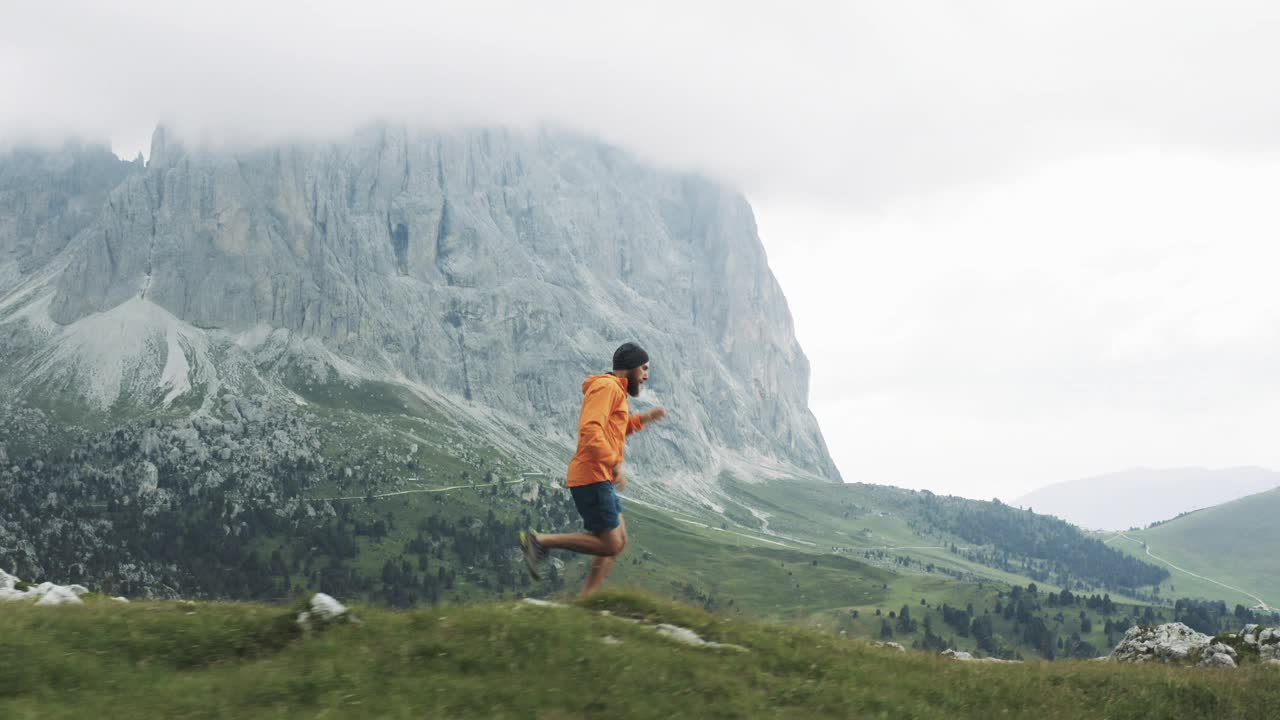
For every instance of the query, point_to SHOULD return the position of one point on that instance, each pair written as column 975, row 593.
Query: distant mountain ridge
column 1236, row 543
column 1137, row 497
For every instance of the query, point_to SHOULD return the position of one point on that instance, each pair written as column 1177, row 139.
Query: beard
column 633, row 383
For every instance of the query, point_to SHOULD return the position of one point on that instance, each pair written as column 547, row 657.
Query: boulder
column 1259, row 640
column 1219, row 655
column 967, row 657
column 324, row 610
column 1171, row 642
column 46, row 593
column 58, row 595
column 686, row 636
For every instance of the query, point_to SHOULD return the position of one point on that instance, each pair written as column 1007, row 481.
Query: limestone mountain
column 486, row 270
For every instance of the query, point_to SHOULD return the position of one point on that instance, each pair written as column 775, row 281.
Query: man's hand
column 654, row 414
column 619, row 477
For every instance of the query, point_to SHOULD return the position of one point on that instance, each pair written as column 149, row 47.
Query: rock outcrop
column 46, row 593
column 1177, row 643
column 1170, row 642
column 1254, row 641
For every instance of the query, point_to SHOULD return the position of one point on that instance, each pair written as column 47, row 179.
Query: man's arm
column 637, row 421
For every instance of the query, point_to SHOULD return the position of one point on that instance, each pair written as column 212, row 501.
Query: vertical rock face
column 47, row 198
column 492, row 266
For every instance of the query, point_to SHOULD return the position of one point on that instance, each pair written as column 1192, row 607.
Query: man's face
column 635, row 378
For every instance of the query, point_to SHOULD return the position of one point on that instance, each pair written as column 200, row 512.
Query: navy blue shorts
column 598, row 505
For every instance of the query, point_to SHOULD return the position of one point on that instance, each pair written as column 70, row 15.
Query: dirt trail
column 1262, row 604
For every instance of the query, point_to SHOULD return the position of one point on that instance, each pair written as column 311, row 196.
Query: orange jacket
column 603, row 427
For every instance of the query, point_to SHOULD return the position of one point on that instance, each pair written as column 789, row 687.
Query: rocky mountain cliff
column 488, row 270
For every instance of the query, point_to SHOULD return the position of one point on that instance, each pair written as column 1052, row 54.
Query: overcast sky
column 1024, row 242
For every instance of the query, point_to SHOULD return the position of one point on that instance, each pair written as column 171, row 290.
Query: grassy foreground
column 513, row 660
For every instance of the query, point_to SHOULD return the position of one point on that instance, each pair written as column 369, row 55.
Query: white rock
column 890, row 645
column 59, row 595
column 689, row 637
column 325, row 607
column 543, row 602
column 42, row 589
column 680, row 634
column 1170, row 642
column 956, row 654
column 1222, row 648
column 1218, row 659
column 606, row 613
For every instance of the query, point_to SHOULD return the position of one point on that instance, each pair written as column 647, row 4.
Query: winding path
column 1262, row 604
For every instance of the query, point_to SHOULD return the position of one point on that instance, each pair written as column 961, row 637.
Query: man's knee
column 614, row 542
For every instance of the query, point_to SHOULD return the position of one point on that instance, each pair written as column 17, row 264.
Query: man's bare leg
column 602, row 544
column 584, row 543
column 601, row 566
column 606, row 546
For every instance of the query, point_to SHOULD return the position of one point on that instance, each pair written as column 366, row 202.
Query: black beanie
column 629, row 356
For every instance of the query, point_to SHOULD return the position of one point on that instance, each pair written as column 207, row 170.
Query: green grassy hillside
column 1236, row 544
column 512, row 660
column 370, row 492
column 377, row 493
column 962, row 538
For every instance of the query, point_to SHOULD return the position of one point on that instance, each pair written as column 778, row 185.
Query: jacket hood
column 606, row 377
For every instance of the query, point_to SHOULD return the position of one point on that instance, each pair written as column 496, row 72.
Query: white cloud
column 1105, row 312
column 856, row 103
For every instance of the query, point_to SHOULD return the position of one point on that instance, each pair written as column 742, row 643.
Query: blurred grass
column 513, row 660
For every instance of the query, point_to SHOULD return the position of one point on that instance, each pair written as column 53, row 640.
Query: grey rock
column 967, row 657
column 323, row 610
column 1171, row 642
column 685, row 636
column 1218, row 660
column 1218, row 655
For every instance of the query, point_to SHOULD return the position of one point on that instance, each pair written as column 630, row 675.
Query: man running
column 603, row 426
